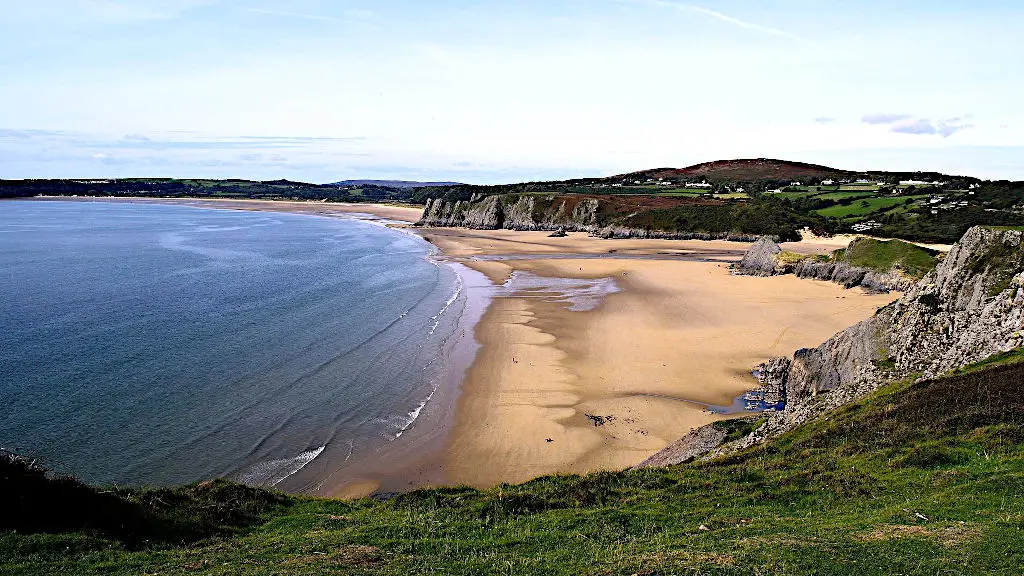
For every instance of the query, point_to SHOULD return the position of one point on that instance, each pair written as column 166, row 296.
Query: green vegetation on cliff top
column 924, row 478
column 884, row 255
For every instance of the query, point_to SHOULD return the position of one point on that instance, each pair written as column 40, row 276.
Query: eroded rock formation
column 513, row 212
column 761, row 259
column 970, row 307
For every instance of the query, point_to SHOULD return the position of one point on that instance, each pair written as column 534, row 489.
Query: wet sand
column 678, row 335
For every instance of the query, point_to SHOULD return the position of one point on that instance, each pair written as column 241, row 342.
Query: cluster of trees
column 755, row 218
column 174, row 188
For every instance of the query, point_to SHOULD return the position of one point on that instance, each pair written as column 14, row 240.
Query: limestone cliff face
column 968, row 308
column 545, row 212
column 513, row 212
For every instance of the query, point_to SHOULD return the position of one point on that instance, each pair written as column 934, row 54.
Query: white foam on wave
column 451, row 300
column 272, row 472
column 415, row 414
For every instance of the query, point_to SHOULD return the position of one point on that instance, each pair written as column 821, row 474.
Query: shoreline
column 540, row 386
column 557, row 390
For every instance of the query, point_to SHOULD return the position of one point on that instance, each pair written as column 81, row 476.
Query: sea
column 160, row 344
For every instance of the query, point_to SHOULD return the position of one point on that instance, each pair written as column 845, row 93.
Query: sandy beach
column 593, row 354
column 398, row 212
column 678, row 336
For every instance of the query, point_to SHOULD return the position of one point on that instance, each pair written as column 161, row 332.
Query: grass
column 787, row 257
column 843, row 195
column 884, row 255
column 865, row 206
column 792, row 195
column 1002, row 261
column 919, row 478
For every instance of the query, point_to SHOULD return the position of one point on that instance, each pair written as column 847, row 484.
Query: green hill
column 918, row 478
column 884, row 255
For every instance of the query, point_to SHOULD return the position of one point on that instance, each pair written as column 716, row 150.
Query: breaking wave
column 272, row 472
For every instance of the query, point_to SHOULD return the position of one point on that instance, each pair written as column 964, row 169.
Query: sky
column 505, row 91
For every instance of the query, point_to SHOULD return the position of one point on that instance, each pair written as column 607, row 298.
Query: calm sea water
column 160, row 344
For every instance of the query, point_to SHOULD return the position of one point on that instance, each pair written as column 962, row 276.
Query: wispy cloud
column 10, row 134
column 908, row 124
column 883, row 118
column 721, row 16
column 926, row 127
column 824, row 120
column 286, row 14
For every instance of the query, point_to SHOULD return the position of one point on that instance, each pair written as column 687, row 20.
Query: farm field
column 843, row 195
column 865, row 206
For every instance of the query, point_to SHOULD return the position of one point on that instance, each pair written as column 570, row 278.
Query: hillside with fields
column 728, row 198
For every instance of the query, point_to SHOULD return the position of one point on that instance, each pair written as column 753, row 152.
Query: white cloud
column 884, row 118
column 923, row 126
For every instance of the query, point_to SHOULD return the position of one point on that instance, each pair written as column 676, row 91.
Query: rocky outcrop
column 697, row 443
column 513, row 212
column 765, row 258
column 761, row 259
column 773, row 376
column 968, row 308
column 626, row 232
column 842, row 272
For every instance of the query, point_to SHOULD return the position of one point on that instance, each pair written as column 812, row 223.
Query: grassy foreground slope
column 923, row 478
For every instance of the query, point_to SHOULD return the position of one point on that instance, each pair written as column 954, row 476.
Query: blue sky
column 504, row 91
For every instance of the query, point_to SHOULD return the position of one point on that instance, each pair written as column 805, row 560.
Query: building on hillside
column 865, row 226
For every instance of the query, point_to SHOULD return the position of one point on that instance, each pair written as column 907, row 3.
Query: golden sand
column 678, row 334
